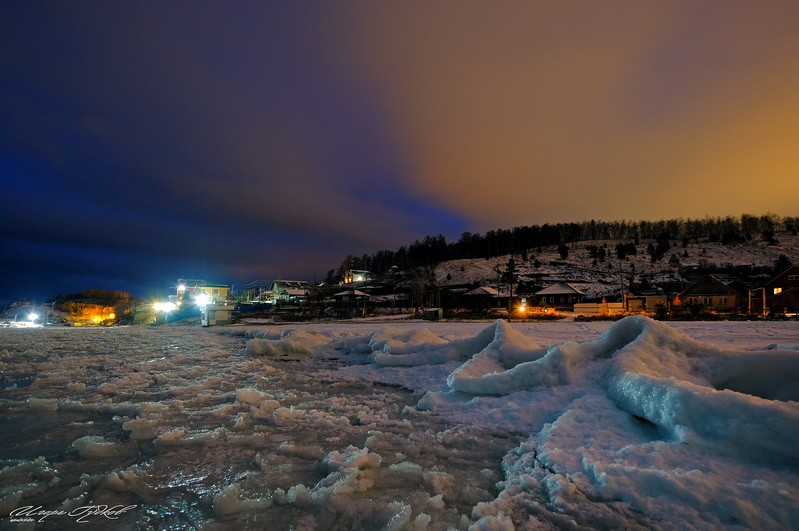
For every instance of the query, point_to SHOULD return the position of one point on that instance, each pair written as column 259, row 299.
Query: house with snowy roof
column 289, row 290
column 560, row 295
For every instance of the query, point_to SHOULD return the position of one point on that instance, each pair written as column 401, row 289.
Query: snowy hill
column 598, row 278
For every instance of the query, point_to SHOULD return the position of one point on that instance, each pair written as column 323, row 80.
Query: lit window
column 777, row 291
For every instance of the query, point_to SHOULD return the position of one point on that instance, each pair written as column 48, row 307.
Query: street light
column 202, row 300
column 164, row 306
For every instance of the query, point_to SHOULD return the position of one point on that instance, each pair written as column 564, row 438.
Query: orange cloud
column 523, row 113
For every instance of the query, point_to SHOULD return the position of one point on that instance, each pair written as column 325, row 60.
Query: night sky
column 234, row 141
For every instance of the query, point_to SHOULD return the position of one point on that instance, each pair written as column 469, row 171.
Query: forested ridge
column 431, row 250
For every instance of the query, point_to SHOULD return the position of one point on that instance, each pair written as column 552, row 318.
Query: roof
column 350, row 292
column 483, row 290
column 783, row 277
column 288, row 284
column 291, row 292
column 709, row 285
column 560, row 288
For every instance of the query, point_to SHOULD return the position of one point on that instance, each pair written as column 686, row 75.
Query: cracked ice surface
column 407, row 425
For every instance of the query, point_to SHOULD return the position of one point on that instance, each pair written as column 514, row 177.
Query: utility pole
column 499, row 276
column 749, row 308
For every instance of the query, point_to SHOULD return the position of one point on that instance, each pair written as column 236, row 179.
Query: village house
column 350, row 296
column 782, row 292
column 560, row 295
column 196, row 291
column 480, row 298
column 710, row 294
column 289, row 291
column 358, row 276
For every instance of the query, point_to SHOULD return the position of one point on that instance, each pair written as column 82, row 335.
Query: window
column 793, row 277
column 777, row 291
column 723, row 301
column 708, row 301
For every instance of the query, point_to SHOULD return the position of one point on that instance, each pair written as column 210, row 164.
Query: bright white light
column 202, row 300
column 181, row 288
column 164, row 306
column 33, row 316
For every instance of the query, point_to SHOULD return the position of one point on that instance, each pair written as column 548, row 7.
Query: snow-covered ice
column 637, row 424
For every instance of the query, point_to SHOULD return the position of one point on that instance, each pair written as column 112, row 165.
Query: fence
column 590, row 309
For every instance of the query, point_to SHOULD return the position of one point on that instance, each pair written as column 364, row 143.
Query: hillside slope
column 608, row 278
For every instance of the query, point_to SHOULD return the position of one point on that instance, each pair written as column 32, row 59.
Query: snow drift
column 629, row 416
column 649, row 369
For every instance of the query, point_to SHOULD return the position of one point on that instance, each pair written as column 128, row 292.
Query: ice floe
column 637, row 424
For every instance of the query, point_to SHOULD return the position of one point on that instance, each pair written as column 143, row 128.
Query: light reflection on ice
column 637, row 424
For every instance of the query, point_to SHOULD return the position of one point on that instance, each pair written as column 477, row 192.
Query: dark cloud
column 192, row 141
column 150, row 140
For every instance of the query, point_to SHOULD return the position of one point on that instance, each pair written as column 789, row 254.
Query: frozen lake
column 401, row 425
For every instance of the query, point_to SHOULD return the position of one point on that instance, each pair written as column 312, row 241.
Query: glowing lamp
column 164, row 306
column 202, row 300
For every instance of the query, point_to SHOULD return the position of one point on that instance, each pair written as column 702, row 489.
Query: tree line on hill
column 431, row 250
